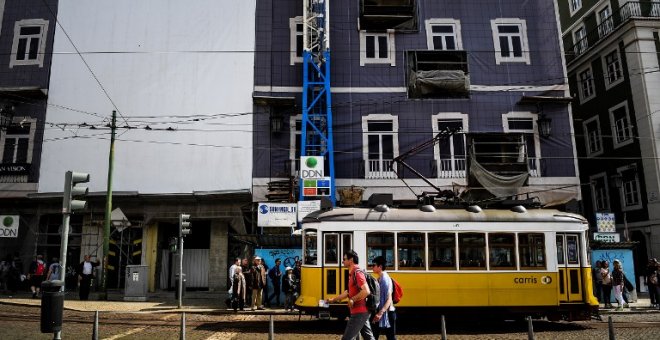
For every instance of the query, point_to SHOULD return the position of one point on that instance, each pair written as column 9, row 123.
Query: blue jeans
column 358, row 324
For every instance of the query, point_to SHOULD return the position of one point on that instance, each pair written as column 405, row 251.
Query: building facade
column 180, row 80
column 404, row 71
column 612, row 50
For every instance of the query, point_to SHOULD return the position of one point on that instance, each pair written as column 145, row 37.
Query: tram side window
column 411, row 254
column 531, row 250
column 502, row 249
column 442, row 249
column 472, row 248
column 380, row 244
column 330, row 247
column 311, row 247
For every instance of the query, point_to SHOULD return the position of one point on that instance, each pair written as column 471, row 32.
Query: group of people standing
column 608, row 280
column 248, row 284
column 362, row 321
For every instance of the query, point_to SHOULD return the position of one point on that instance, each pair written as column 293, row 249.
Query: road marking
column 222, row 336
column 127, row 333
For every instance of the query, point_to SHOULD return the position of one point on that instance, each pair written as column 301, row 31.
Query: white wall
column 166, row 64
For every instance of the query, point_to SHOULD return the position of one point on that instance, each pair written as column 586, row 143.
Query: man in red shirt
column 357, row 292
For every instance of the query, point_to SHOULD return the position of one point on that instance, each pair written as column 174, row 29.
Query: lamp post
column 6, row 117
column 545, row 125
column 618, row 182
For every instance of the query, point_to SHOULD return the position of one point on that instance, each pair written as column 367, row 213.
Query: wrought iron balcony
column 629, row 11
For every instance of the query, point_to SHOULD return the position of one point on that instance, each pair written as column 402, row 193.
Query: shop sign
column 9, row 226
column 607, row 237
column 277, row 215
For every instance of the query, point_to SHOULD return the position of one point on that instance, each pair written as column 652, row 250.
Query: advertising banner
column 9, row 226
column 277, row 215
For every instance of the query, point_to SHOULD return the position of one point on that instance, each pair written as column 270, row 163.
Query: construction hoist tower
column 316, row 134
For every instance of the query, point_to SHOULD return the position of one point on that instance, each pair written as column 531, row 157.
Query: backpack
column 397, row 292
column 373, row 299
column 40, row 269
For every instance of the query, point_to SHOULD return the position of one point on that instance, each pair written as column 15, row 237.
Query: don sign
column 9, row 225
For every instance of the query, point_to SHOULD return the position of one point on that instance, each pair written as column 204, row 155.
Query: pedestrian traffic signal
column 184, row 225
column 72, row 189
column 173, row 244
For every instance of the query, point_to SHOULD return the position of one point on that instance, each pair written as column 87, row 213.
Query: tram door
column 335, row 275
column 568, row 264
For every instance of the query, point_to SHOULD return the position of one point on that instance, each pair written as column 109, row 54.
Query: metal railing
column 629, row 10
column 380, row 169
column 451, row 168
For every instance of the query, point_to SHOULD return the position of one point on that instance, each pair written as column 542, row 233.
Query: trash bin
column 52, row 305
column 176, row 286
column 136, row 283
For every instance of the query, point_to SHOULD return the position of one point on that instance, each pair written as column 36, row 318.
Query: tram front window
column 311, row 246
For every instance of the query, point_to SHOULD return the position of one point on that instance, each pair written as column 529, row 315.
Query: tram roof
column 442, row 215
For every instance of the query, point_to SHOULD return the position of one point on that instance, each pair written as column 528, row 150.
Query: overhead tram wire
column 107, row 95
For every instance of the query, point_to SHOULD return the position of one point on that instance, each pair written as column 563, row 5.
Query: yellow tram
column 500, row 262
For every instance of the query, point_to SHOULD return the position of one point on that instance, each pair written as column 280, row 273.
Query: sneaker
column 619, row 308
column 626, row 306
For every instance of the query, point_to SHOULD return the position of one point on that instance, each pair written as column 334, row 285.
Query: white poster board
column 307, row 207
column 277, row 214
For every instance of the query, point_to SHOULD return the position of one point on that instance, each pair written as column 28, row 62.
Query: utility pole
column 108, row 210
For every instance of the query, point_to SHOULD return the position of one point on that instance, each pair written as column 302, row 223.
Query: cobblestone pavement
column 22, row 322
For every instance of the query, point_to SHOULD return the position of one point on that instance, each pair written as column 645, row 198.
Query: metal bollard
column 182, row 335
column 530, row 328
column 271, row 328
column 443, row 328
column 95, row 330
column 610, row 327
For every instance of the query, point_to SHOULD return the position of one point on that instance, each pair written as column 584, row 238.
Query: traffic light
column 184, row 225
column 72, row 190
column 173, row 244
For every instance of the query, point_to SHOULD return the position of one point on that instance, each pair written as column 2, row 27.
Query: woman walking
column 617, row 283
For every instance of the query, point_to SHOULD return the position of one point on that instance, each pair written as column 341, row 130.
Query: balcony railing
column 629, row 10
column 380, row 169
column 451, row 168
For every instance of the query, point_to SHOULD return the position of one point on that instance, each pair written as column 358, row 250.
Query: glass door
column 335, row 275
column 568, row 264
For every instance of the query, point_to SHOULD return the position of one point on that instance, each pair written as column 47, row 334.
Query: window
column 442, row 251
column 380, row 244
column 586, row 84
column 472, row 249
column 311, row 247
column 574, row 5
column 377, row 48
column 331, row 249
column 443, row 34
column 605, row 21
column 510, row 39
column 592, row 135
column 296, row 43
column 380, row 145
column 295, row 128
column 437, row 74
column 29, row 44
column 17, row 144
column 581, row 43
column 612, row 64
column 600, row 192
column 621, row 128
column 450, row 152
column 502, row 251
column 411, row 251
column 525, row 122
column 531, row 251
column 630, row 191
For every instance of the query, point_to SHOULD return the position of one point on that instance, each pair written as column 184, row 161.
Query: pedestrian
column 289, row 288
column 275, row 276
column 358, row 290
column 385, row 319
column 36, row 275
column 617, row 284
column 54, row 270
column 230, row 280
column 598, row 282
column 652, row 281
column 607, row 283
column 238, row 289
column 85, row 274
column 297, row 272
column 5, row 264
column 258, row 279
column 14, row 276
column 264, row 290
column 247, row 273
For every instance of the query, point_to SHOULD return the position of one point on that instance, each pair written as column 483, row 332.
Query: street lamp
column 6, row 117
column 545, row 125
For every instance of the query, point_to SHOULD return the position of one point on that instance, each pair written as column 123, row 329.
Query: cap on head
column 257, row 258
column 288, row 268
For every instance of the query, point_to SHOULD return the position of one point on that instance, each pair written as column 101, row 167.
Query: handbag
column 627, row 284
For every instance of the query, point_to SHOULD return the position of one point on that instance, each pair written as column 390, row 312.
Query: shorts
column 36, row 280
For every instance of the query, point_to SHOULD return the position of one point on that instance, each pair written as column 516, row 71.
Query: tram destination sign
column 607, row 237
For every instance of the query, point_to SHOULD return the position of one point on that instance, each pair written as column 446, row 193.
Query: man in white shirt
column 85, row 275
column 230, row 280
